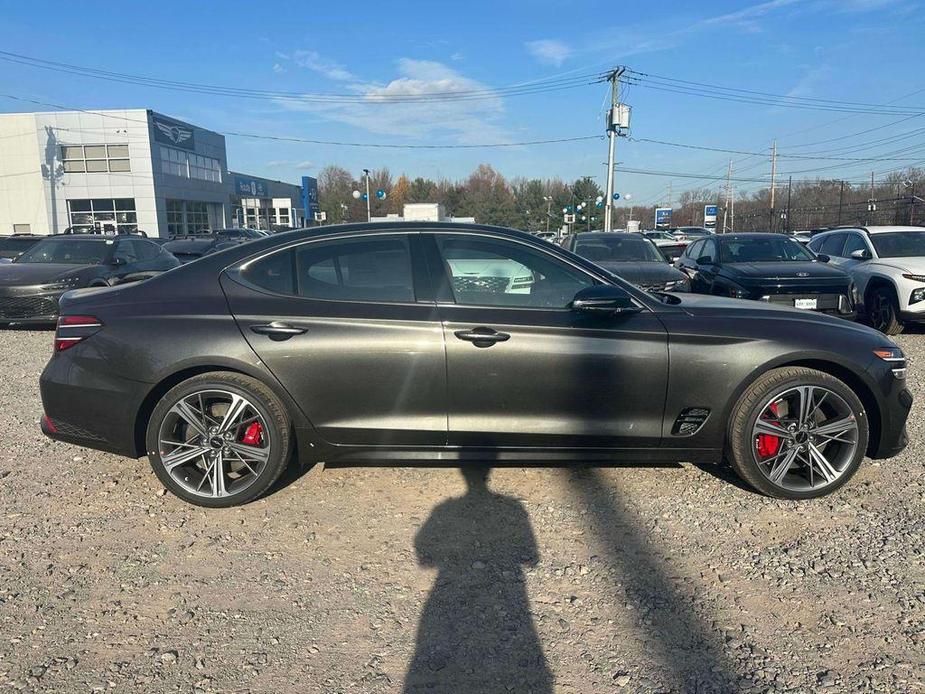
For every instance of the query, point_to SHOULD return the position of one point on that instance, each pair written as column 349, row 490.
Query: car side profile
column 887, row 264
column 410, row 341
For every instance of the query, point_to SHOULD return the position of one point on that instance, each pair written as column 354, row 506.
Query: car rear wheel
column 797, row 433
column 883, row 311
column 218, row 439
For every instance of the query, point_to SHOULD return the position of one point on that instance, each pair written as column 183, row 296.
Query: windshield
column 618, row 248
column 900, row 244
column 763, row 250
column 69, row 251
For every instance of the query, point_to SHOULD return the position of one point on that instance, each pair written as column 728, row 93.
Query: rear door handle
column 482, row 337
column 278, row 330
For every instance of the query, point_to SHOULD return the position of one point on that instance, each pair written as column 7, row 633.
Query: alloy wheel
column 805, row 438
column 214, row 443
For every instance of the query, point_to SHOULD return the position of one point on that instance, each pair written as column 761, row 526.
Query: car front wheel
column 218, row 439
column 883, row 311
column 797, row 433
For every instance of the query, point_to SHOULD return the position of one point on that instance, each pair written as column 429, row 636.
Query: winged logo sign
column 171, row 133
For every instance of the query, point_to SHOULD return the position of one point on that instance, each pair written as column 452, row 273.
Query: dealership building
column 130, row 170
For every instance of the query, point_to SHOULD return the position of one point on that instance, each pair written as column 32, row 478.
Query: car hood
column 914, row 265
column 19, row 274
column 784, row 270
column 643, row 273
column 707, row 306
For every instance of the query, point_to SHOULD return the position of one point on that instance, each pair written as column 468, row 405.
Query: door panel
column 364, row 373
column 525, row 370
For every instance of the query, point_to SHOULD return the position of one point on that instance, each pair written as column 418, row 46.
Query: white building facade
column 123, row 170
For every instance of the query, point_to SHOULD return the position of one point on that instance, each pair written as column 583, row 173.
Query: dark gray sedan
column 630, row 256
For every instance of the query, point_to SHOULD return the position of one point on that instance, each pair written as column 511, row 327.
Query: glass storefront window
column 84, row 215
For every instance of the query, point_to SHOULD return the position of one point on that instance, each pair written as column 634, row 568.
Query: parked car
column 13, row 246
column 630, row 256
column 802, row 236
column 31, row 285
column 388, row 357
column 768, row 267
column 887, row 264
column 671, row 247
column 195, row 246
column 691, row 233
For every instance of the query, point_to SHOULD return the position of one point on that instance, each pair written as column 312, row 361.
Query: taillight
column 74, row 329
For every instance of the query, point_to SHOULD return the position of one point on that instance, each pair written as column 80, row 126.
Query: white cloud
column 289, row 164
column 314, row 61
column 549, row 51
column 278, row 69
column 376, row 111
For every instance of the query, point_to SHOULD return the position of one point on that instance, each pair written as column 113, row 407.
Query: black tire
column 882, row 310
column 740, row 444
column 264, row 401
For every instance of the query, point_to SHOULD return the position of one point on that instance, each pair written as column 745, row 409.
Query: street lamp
column 357, row 195
column 548, row 199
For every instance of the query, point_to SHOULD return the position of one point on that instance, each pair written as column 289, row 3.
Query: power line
column 752, row 154
column 335, row 143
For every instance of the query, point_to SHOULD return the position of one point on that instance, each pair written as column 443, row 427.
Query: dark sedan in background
column 195, row 246
column 31, row 285
column 630, row 256
column 423, row 341
column 768, row 267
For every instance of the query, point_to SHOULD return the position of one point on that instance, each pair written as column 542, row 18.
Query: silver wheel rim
column 214, row 443
column 805, row 438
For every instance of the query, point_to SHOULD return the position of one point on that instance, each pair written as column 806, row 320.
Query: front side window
column 710, row 251
column 369, row 269
column 855, row 243
column 693, row 250
column 493, row 272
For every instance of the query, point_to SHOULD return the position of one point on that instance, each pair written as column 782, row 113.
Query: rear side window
column 374, row 269
column 832, row 245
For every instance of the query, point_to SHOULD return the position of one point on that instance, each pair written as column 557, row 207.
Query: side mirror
column 604, row 300
column 704, row 260
column 861, row 254
column 823, row 258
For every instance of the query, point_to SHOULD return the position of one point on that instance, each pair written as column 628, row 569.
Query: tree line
column 532, row 203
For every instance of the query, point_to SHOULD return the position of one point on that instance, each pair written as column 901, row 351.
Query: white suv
column 887, row 264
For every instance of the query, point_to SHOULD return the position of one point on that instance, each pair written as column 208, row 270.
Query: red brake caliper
column 253, row 435
column 769, row 444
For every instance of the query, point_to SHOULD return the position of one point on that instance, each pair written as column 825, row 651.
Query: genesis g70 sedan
column 419, row 341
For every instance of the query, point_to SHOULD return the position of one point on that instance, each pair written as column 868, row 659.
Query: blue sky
column 855, row 50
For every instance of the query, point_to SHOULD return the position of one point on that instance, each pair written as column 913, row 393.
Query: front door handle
column 482, row 337
column 278, row 330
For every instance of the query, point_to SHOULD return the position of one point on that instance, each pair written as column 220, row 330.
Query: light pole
column 357, row 195
column 548, row 199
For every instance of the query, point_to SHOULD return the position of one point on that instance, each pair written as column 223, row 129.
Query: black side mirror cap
column 604, row 300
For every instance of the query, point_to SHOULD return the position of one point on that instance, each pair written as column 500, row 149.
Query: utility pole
column 615, row 122
column 871, row 206
column 773, row 177
column 548, row 199
column 841, row 200
column 728, row 190
column 789, row 188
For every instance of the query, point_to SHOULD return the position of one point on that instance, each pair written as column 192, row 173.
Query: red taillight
column 74, row 329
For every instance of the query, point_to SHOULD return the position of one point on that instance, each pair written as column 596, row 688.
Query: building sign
column 310, row 197
column 662, row 217
column 174, row 133
column 250, row 187
column 709, row 216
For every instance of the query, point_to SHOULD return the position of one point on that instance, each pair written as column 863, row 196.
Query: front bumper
column 28, row 305
column 895, row 404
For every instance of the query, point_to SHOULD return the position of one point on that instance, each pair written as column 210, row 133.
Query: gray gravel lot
column 377, row 579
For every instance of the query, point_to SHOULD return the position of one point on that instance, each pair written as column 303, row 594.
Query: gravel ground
column 378, row 579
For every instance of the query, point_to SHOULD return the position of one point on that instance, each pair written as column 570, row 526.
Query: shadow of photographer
column 475, row 631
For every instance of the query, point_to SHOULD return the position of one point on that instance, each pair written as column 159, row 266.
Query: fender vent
column 690, row 421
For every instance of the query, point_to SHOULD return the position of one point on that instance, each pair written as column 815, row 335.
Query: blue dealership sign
column 310, row 197
column 662, row 217
column 250, row 187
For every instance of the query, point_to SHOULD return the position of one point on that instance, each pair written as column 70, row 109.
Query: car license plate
column 804, row 303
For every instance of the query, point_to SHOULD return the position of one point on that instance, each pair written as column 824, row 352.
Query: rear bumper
column 90, row 408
